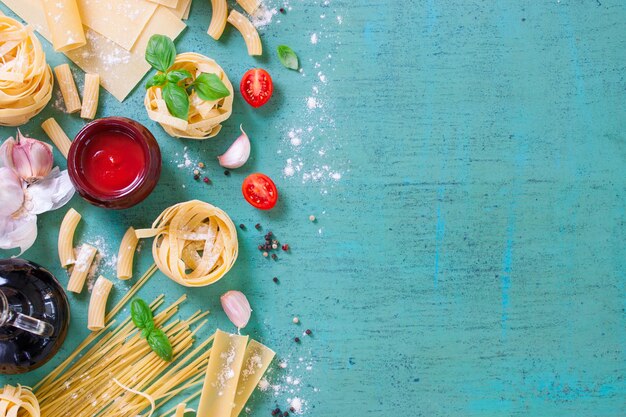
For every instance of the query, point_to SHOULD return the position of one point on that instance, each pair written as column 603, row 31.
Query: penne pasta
column 98, row 303
column 126, row 254
column 86, row 254
column 91, row 95
column 218, row 18
column 250, row 6
column 57, row 136
column 68, row 88
column 248, row 31
column 66, row 237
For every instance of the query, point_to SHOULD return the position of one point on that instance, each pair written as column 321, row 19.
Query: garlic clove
column 18, row 232
column 51, row 192
column 236, row 307
column 238, row 153
column 11, row 192
column 30, row 158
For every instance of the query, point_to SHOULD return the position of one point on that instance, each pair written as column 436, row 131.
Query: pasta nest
column 18, row 400
column 205, row 117
column 25, row 78
column 195, row 243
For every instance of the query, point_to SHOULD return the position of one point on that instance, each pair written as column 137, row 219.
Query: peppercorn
column 312, row 218
column 275, row 279
column 308, row 332
column 292, row 409
column 274, row 257
column 285, row 414
column 242, row 226
column 296, row 339
column 227, row 173
column 257, row 226
column 260, row 247
column 200, row 164
column 274, row 246
column 265, row 254
column 196, row 177
column 196, row 172
column 285, row 247
column 282, row 10
column 206, row 180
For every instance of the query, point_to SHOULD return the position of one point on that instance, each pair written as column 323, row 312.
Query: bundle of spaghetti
column 25, row 78
column 195, row 243
column 205, row 117
column 121, row 376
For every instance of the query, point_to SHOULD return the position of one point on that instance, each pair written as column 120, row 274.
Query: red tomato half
column 260, row 191
column 256, row 87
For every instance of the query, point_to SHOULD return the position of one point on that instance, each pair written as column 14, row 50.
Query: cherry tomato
column 260, row 191
column 256, row 87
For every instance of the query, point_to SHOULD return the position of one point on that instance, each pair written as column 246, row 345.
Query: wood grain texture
column 471, row 260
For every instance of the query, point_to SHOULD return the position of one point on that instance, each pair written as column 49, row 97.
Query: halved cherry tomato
column 260, row 191
column 256, row 87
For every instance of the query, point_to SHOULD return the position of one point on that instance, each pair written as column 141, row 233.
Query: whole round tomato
column 260, row 191
column 256, row 87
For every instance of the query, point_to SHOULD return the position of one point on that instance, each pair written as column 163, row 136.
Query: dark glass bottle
column 34, row 316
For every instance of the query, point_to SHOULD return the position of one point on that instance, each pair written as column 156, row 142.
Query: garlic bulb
column 238, row 153
column 30, row 158
column 236, row 307
column 11, row 192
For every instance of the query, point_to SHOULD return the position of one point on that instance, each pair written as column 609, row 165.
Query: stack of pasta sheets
column 117, row 33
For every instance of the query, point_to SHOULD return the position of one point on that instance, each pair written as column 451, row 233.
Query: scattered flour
column 314, row 39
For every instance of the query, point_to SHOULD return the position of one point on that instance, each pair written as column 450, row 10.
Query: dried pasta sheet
column 121, row 21
column 120, row 70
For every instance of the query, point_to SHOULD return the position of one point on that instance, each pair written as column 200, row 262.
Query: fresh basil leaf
column 160, row 344
column 209, row 87
column 157, row 80
column 176, row 76
column 160, row 52
column 146, row 332
column 141, row 314
column 287, row 57
column 177, row 100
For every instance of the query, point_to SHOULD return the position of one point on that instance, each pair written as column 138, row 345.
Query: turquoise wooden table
column 465, row 162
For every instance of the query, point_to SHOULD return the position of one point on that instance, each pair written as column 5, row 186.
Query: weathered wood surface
column 471, row 260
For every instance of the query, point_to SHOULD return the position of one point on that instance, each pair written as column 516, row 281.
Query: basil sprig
column 178, row 84
column 141, row 314
column 287, row 57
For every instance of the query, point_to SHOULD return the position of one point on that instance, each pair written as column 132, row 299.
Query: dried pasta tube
column 222, row 374
column 126, row 254
column 64, row 24
column 91, row 95
column 68, row 88
column 218, row 18
column 248, row 31
column 57, row 136
column 66, row 237
column 85, row 257
column 98, row 303
column 249, row 6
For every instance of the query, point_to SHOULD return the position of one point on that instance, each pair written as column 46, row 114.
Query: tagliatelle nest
column 195, row 243
column 205, row 117
column 25, row 78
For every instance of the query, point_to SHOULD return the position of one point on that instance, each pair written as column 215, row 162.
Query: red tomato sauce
column 112, row 161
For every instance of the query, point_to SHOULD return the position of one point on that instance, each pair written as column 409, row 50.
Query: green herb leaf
column 141, row 314
column 209, row 87
column 177, row 100
column 176, row 76
column 287, row 57
column 146, row 332
column 157, row 80
column 160, row 344
column 160, row 52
